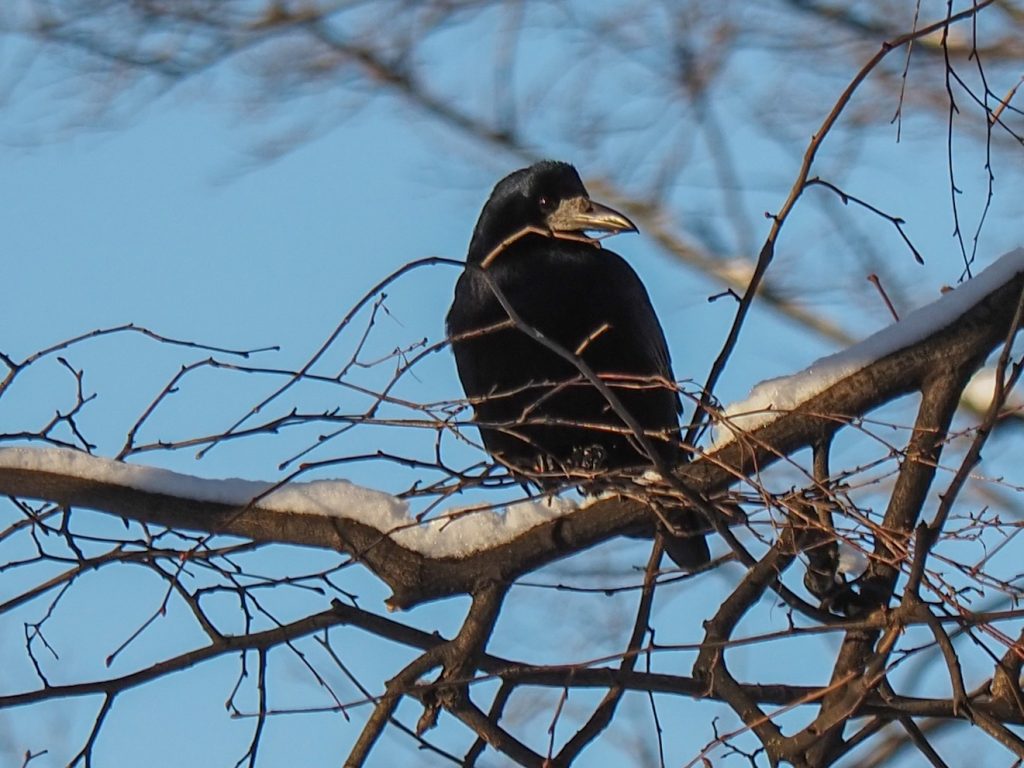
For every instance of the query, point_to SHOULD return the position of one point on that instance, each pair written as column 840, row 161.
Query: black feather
column 537, row 413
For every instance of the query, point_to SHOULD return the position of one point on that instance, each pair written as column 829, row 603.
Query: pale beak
column 581, row 214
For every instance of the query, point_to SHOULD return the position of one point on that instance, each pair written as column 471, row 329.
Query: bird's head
column 549, row 197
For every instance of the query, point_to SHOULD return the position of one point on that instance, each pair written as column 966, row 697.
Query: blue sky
column 165, row 219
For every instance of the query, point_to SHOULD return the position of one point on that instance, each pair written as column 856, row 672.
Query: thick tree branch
column 413, row 578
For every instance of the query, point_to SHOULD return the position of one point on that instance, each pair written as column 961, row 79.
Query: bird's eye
column 547, row 204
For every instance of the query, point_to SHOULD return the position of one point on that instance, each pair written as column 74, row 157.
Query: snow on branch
column 462, row 549
column 457, row 534
column 773, row 398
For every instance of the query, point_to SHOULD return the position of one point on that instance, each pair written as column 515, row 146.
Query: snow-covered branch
column 459, row 551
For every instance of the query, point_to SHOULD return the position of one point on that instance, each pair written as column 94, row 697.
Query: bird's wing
column 636, row 314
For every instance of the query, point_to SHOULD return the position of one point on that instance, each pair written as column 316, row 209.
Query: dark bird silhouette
column 537, row 298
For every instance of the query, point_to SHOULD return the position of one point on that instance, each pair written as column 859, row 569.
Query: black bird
column 537, row 294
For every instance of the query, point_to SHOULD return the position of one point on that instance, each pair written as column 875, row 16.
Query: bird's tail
column 688, row 545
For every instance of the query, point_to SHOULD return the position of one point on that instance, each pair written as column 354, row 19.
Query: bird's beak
column 580, row 214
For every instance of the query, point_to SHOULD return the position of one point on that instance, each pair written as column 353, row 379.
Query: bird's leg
column 588, row 458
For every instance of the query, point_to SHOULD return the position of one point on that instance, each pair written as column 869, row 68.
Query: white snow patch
column 650, row 477
column 463, row 530
column 852, row 561
column 457, row 533
column 775, row 397
column 980, row 389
